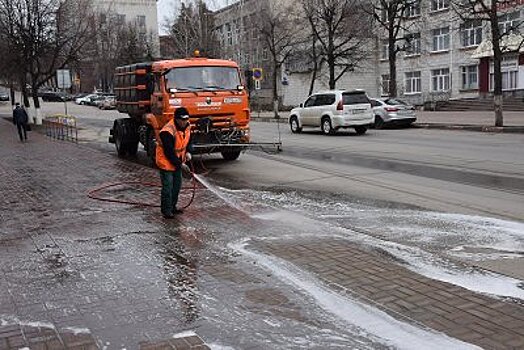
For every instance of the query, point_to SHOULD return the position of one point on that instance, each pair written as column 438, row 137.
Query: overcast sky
column 166, row 8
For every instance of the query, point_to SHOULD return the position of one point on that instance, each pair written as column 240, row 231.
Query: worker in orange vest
column 171, row 155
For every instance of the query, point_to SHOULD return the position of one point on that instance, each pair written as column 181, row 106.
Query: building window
column 439, row 5
column 471, row 33
column 412, row 44
column 384, row 84
column 469, row 77
column 236, row 35
column 120, row 19
column 384, row 52
column 141, row 21
column 440, row 80
column 509, row 23
column 229, row 34
column 441, row 39
column 413, row 83
column 413, row 9
column 510, row 73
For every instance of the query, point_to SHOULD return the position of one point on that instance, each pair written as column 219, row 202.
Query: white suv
column 332, row 110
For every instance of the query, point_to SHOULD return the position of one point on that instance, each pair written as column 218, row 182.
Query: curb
column 466, row 127
column 440, row 126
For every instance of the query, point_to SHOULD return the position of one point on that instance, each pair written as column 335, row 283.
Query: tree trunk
column 36, row 103
column 12, row 93
column 315, row 66
column 331, row 64
column 497, row 72
column 392, row 68
column 275, row 91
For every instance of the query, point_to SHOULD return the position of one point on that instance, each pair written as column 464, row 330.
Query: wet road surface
column 246, row 268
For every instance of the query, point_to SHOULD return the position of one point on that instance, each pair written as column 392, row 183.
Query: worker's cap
column 181, row 113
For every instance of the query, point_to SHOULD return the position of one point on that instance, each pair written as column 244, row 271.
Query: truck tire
column 151, row 146
column 231, row 154
column 125, row 136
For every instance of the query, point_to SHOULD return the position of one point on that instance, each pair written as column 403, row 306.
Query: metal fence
column 61, row 127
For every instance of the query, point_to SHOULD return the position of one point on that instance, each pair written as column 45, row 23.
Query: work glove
column 186, row 171
column 188, row 157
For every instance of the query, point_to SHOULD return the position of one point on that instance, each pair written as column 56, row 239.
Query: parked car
column 333, row 110
column 51, row 96
column 84, row 100
column 4, row 96
column 108, row 103
column 95, row 100
column 392, row 111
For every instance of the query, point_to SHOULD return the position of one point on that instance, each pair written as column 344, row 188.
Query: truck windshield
column 202, row 78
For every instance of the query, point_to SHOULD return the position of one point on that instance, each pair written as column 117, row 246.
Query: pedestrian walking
column 20, row 119
column 171, row 155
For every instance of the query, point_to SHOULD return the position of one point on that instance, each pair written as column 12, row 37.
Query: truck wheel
column 231, row 154
column 132, row 148
column 125, row 136
column 151, row 146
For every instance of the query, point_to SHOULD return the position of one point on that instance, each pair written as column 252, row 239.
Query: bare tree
column 44, row 35
column 192, row 29
column 343, row 30
column 392, row 16
column 279, row 26
column 504, row 37
column 117, row 43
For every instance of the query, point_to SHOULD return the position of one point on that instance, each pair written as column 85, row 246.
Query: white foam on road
column 375, row 322
column 410, row 235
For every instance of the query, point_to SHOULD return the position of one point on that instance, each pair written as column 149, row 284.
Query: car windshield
column 395, row 102
column 353, row 98
column 202, row 78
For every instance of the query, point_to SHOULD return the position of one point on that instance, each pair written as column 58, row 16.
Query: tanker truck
column 212, row 91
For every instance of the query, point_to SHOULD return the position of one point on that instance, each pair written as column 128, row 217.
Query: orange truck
column 211, row 89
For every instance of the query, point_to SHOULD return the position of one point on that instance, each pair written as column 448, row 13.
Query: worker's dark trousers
column 171, row 184
column 22, row 129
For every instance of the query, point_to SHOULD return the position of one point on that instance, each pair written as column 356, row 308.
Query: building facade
column 142, row 13
column 443, row 57
column 448, row 58
column 237, row 30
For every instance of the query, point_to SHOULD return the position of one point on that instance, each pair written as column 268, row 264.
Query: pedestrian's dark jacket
column 20, row 116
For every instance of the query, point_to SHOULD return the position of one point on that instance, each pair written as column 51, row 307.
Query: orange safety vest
column 181, row 141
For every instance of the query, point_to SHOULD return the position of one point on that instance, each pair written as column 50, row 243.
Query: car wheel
column 293, row 124
column 379, row 122
column 327, row 128
column 361, row 130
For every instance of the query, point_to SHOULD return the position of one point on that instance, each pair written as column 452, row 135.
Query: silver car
column 392, row 111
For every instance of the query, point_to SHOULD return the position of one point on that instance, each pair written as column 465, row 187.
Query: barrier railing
column 61, row 127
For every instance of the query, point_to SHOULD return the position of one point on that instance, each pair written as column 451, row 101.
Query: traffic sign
column 63, row 78
column 258, row 74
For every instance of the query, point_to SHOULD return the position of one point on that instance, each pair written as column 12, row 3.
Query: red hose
column 93, row 192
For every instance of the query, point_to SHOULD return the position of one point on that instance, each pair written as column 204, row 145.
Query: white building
column 142, row 13
column 447, row 58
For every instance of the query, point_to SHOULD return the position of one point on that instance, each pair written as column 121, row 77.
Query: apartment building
column 444, row 57
column 241, row 40
column 447, row 58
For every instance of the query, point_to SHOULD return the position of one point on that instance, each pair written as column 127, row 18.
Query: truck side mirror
column 301, row 105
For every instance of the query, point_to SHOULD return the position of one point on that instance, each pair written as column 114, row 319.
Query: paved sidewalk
column 470, row 120
column 120, row 276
